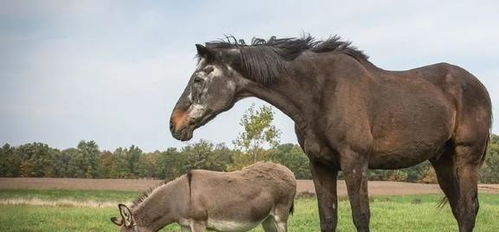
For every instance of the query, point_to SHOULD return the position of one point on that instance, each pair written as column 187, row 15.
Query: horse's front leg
column 325, row 187
column 354, row 167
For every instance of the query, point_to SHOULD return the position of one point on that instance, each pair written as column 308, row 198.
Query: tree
column 490, row 168
column 119, row 166
column 292, row 156
column 204, row 155
column 37, row 160
column 133, row 156
column 62, row 161
column 146, row 166
column 84, row 160
column 105, row 164
column 10, row 162
column 168, row 164
column 258, row 134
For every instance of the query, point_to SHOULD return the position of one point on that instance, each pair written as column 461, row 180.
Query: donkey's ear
column 117, row 221
column 204, row 51
column 126, row 214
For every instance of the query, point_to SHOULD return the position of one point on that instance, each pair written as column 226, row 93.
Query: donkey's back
column 241, row 200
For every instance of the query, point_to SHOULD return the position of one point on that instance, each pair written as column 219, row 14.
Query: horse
column 262, row 193
column 350, row 115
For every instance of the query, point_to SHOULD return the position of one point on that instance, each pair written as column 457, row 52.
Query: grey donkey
column 262, row 193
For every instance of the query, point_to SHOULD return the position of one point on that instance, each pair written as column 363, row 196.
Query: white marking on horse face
column 196, row 110
column 216, row 71
column 200, row 64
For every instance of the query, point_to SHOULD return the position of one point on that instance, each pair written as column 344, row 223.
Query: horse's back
column 415, row 113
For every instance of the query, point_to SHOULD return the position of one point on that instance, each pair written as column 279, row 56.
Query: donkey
column 262, row 193
column 350, row 115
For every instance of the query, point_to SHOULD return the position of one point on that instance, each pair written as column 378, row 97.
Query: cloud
column 112, row 71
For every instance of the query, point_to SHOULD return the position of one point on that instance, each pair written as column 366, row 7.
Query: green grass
column 76, row 195
column 401, row 213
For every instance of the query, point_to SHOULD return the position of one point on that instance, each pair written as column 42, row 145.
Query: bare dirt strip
column 304, row 186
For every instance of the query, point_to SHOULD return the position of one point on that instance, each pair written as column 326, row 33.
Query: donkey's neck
column 160, row 208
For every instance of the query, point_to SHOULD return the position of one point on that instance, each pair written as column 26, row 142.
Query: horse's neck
column 293, row 97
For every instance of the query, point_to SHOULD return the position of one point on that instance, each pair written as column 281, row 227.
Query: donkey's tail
column 292, row 209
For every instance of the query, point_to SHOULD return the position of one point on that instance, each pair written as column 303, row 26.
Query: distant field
column 376, row 188
column 389, row 213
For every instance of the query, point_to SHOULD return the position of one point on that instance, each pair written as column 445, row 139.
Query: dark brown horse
column 351, row 115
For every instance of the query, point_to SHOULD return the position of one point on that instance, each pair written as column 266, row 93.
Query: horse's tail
column 442, row 202
column 485, row 151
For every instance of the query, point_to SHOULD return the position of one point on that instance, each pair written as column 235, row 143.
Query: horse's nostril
column 172, row 127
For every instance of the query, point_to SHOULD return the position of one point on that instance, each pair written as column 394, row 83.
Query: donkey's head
column 211, row 90
column 126, row 222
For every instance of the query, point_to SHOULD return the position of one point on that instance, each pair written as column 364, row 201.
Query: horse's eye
column 208, row 70
column 198, row 80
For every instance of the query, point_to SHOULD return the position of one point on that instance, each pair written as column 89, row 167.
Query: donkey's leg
column 354, row 168
column 198, row 226
column 274, row 224
column 281, row 218
column 467, row 166
column 269, row 225
column 325, row 188
column 185, row 229
column 282, row 226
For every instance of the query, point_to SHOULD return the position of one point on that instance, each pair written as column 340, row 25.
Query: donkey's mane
column 143, row 196
column 263, row 60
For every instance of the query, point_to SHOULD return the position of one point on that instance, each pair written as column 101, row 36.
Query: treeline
column 88, row 161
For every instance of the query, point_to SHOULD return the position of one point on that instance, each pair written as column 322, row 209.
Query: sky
column 112, row 71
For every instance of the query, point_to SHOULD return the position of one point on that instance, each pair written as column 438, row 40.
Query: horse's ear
column 126, row 214
column 204, row 51
column 117, row 221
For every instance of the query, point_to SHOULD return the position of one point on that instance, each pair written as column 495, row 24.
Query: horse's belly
column 404, row 154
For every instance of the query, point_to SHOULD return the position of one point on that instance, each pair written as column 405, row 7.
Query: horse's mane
column 263, row 60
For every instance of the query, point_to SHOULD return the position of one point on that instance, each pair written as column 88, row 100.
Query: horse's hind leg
column 467, row 167
column 457, row 173
column 446, row 175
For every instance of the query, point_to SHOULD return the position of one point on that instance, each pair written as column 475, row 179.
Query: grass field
column 389, row 213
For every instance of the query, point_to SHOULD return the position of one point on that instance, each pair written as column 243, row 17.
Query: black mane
column 263, row 60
